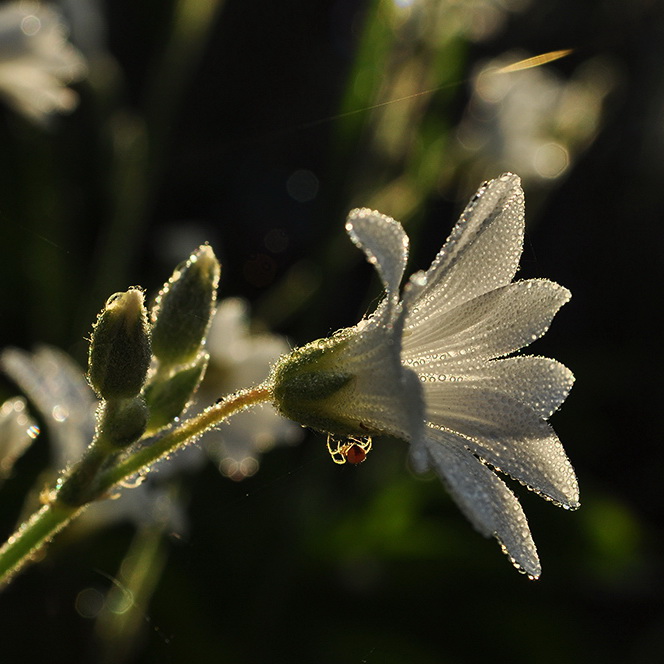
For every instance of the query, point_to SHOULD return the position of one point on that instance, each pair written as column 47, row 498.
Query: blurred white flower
column 442, row 20
column 239, row 359
column 425, row 368
column 532, row 120
column 56, row 386
column 17, row 431
column 37, row 63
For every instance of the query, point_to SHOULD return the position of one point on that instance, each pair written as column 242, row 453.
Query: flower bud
column 183, row 309
column 119, row 355
column 122, row 421
column 168, row 398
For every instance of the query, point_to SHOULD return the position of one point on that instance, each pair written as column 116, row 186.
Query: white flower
column 426, row 368
column 239, row 359
column 17, row 431
column 36, row 61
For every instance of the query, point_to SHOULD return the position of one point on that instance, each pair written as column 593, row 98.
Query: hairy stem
column 39, row 529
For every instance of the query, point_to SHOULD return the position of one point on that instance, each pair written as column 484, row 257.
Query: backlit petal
column 538, row 382
column 507, row 434
column 484, row 498
column 384, row 395
column 486, row 327
column 483, row 250
column 384, row 242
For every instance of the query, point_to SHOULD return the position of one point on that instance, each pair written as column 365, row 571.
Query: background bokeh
column 257, row 126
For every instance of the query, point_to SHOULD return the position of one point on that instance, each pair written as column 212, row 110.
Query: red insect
column 351, row 450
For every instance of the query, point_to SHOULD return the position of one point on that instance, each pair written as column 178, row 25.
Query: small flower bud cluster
column 145, row 370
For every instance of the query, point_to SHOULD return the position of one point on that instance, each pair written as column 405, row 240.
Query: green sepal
column 119, row 355
column 309, row 388
column 183, row 309
column 167, row 399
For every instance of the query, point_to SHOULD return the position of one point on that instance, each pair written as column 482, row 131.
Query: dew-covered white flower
column 240, row 358
column 430, row 368
column 37, row 63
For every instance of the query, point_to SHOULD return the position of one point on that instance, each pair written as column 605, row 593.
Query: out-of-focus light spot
column 89, row 602
column 238, row 470
column 484, row 22
column 30, row 25
column 18, row 406
column 302, row 186
column 260, row 270
column 404, row 3
column 33, row 431
column 551, row 160
column 276, row 240
column 489, row 88
column 121, row 601
column 59, row 413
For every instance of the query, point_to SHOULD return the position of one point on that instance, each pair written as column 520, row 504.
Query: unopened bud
column 183, row 310
column 119, row 355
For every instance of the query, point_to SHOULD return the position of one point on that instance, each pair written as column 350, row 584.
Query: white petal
column 57, row 387
column 486, row 327
column 483, row 250
column 484, row 498
column 384, row 242
column 384, row 395
column 507, row 434
column 539, row 382
column 17, row 432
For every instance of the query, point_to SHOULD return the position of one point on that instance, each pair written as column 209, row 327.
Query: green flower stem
column 32, row 535
column 40, row 528
column 190, row 431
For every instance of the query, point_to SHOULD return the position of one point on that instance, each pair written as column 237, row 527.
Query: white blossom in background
column 56, row 386
column 428, row 368
column 475, row 20
column 240, row 359
column 37, row 63
column 533, row 120
column 17, row 431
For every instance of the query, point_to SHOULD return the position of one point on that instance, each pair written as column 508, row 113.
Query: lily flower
column 431, row 367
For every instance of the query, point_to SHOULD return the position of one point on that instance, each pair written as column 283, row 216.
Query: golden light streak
column 535, row 61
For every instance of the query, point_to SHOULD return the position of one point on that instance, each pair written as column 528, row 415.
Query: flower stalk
column 35, row 533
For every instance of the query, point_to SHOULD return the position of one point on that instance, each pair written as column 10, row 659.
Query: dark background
column 307, row 561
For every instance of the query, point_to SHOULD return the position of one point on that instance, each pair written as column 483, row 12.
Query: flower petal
column 482, row 252
column 507, row 434
column 384, row 242
column 484, row 498
column 538, row 382
column 383, row 396
column 57, row 387
column 494, row 324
